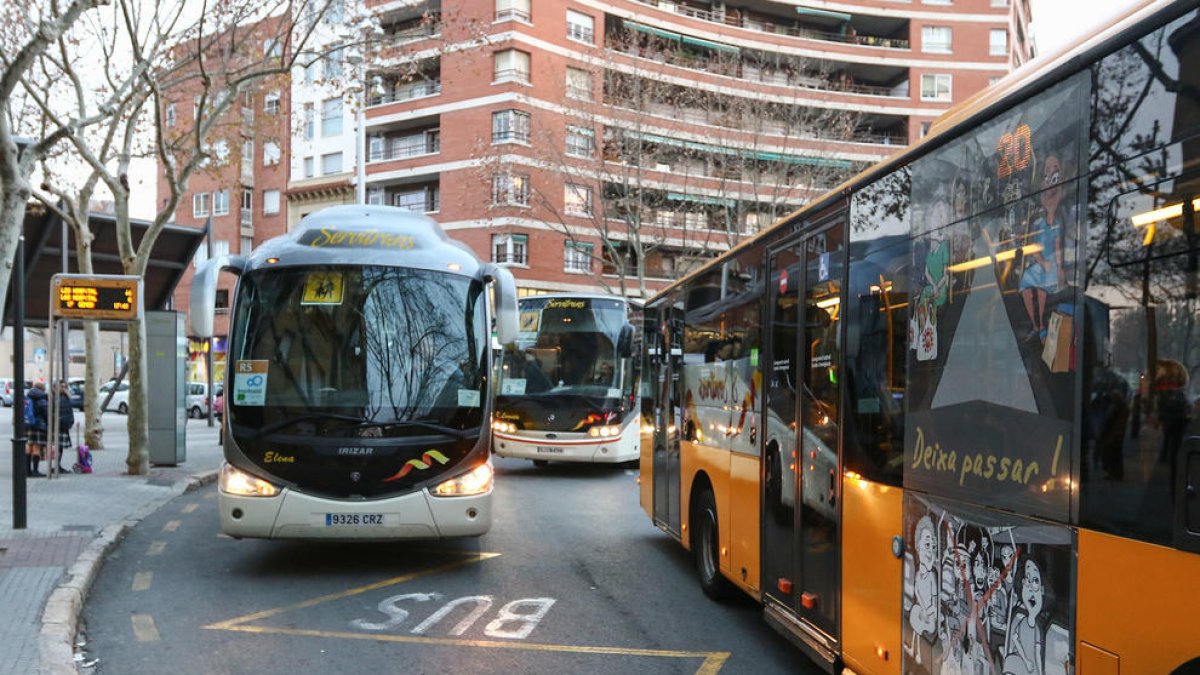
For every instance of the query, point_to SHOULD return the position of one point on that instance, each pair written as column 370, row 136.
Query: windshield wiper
column 310, row 417
column 422, row 424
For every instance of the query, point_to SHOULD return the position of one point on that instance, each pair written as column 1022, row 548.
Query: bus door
column 669, row 418
column 802, row 506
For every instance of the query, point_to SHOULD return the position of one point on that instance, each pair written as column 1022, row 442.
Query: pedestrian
column 36, row 427
column 66, row 420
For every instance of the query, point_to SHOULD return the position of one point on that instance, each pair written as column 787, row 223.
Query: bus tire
column 706, row 547
column 541, row 463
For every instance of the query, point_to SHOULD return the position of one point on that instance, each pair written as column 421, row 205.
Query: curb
column 60, row 616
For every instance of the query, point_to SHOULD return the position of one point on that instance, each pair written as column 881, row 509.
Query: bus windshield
column 365, row 351
column 567, row 346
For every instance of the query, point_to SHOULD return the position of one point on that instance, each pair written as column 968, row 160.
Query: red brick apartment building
column 582, row 141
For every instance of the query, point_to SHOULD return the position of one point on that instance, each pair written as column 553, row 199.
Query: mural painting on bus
column 990, row 390
column 984, row 592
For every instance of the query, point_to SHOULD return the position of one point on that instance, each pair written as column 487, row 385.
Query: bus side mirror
column 625, row 341
column 203, row 302
column 504, row 289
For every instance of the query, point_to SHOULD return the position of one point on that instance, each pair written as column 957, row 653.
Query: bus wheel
column 541, row 463
column 705, row 548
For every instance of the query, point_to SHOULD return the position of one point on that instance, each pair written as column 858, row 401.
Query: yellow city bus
column 946, row 418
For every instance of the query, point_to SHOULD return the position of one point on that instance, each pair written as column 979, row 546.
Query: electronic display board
column 96, row 296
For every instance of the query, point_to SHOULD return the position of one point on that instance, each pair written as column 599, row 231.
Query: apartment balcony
column 418, row 198
column 404, row 145
column 398, row 93
column 412, row 30
column 805, row 24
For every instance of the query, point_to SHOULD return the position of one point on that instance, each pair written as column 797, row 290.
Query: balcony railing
column 512, row 13
column 511, row 75
column 581, row 33
column 408, row 92
column 739, row 20
column 388, row 152
column 749, row 73
column 247, row 217
column 421, row 31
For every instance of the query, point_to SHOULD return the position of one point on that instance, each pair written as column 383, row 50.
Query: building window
column 170, row 114
column 581, row 142
column 220, row 203
column 310, row 121
column 935, row 87
column 331, row 117
column 579, row 84
column 272, row 48
column 247, row 158
column 510, row 248
column 999, row 3
column 937, row 2
column 200, row 205
column 247, row 207
column 270, row 202
column 510, row 126
column 310, row 70
column 512, row 9
column 423, row 200
column 512, row 65
column 331, row 163
column 577, row 200
column 308, row 167
column 510, row 188
column 925, row 129
column 936, row 39
column 577, row 256
column 333, row 65
column 998, row 41
column 271, row 153
column 247, row 245
column 581, row 27
column 271, row 103
column 221, row 301
column 375, row 196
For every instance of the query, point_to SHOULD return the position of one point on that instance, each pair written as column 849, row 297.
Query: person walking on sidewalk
column 66, row 420
column 38, row 406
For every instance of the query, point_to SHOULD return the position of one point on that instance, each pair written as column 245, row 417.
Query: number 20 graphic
column 1016, row 151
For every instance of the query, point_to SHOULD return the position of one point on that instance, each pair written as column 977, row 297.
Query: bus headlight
column 604, row 431
column 234, row 481
column 504, row 427
column 475, row 482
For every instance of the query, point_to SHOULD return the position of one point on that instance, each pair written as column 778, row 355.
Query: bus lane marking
column 500, row 627
column 171, row 526
column 190, row 507
column 156, row 548
column 142, row 581
column 144, row 628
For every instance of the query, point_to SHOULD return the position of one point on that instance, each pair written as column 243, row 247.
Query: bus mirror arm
column 203, row 302
column 625, row 341
column 506, row 302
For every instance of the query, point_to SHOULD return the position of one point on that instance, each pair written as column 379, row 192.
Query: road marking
column 142, row 580
column 190, row 507
column 143, row 628
column 156, row 548
column 171, row 526
column 712, row 661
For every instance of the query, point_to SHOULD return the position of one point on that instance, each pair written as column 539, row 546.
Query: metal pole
column 360, row 147
column 208, row 356
column 52, row 403
column 19, row 462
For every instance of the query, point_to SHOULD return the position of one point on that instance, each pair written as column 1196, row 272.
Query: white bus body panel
column 571, row 447
column 295, row 515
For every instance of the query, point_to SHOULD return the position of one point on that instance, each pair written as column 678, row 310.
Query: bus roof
column 367, row 235
column 1019, row 85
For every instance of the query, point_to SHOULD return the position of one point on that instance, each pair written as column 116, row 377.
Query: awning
column 742, row 152
column 700, row 199
column 824, row 14
column 650, row 30
column 715, row 46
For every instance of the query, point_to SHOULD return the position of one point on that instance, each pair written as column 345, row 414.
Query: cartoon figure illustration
column 1044, row 272
column 997, row 605
column 923, row 615
column 1023, row 654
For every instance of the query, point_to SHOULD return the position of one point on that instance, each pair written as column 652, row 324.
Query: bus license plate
column 339, row 519
column 549, row 450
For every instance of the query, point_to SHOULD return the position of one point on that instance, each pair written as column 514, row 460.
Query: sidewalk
column 72, row 522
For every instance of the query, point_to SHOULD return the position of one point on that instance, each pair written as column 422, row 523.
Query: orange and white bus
column 569, row 383
column 946, row 418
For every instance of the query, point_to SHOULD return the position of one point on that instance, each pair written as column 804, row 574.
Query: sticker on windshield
column 513, row 386
column 529, row 321
column 613, row 393
column 468, row 398
column 322, row 288
column 250, row 383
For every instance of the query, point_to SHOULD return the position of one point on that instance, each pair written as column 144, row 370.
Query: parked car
column 6, row 391
column 75, row 386
column 197, row 399
column 120, row 398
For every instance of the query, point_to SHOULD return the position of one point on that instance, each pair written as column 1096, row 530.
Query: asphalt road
column 572, row 578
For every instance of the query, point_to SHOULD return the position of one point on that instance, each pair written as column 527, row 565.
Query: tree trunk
column 93, row 430
column 138, row 460
column 13, row 197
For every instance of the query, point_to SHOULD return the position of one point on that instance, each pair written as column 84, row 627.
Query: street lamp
column 18, row 399
column 354, row 59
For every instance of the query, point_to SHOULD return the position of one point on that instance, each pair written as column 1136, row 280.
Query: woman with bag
column 35, row 422
column 66, row 420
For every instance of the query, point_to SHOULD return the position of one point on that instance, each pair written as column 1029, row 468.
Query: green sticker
column 753, row 357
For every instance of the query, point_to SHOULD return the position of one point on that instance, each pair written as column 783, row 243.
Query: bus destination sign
column 96, row 296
